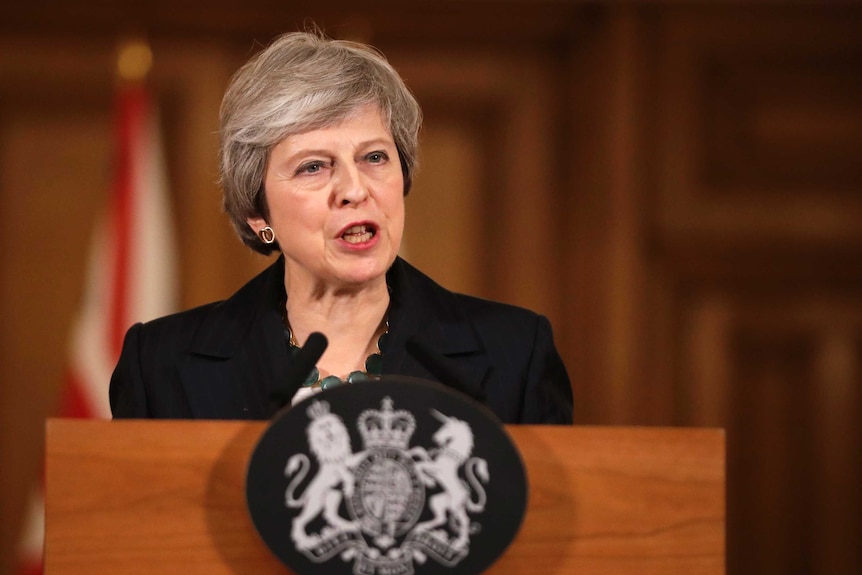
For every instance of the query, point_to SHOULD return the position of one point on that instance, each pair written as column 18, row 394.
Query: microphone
column 303, row 362
column 443, row 369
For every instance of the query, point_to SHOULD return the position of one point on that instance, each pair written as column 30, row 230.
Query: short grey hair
column 303, row 81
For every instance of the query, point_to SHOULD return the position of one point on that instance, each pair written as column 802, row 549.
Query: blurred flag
column 131, row 273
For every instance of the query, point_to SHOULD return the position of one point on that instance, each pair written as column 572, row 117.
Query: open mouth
column 359, row 233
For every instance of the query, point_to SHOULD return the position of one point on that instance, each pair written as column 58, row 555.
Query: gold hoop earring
column 267, row 235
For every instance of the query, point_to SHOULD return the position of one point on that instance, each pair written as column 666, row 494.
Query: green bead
column 330, row 382
column 381, row 341
column 357, row 377
column 312, row 378
column 374, row 364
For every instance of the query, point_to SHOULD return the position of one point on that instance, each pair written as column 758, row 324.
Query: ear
column 256, row 224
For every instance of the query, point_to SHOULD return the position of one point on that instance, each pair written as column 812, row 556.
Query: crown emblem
column 386, row 427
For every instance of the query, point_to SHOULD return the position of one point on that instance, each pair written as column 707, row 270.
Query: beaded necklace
column 373, row 363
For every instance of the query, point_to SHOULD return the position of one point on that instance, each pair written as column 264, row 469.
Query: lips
column 359, row 233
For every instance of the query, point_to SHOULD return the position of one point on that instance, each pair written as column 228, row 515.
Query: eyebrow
column 294, row 157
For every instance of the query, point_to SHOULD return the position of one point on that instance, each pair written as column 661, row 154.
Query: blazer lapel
column 423, row 313
column 239, row 354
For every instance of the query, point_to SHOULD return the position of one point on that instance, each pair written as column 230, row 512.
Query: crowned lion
column 329, row 441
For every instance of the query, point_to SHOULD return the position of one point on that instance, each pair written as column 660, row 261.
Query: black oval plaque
column 387, row 477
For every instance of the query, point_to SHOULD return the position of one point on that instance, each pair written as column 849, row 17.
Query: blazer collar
column 419, row 306
column 251, row 315
column 422, row 309
column 239, row 354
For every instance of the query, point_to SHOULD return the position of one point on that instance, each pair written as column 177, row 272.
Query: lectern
column 168, row 497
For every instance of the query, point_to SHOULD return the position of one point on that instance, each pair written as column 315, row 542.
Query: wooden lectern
column 168, row 497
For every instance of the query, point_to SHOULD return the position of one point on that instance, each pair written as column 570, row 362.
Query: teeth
column 358, row 234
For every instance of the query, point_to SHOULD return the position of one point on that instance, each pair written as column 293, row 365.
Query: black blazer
column 222, row 360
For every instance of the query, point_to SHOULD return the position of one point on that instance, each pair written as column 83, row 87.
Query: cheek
column 396, row 215
column 395, row 197
column 297, row 212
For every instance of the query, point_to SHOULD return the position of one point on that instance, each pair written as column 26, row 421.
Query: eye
column 312, row 167
column 377, row 157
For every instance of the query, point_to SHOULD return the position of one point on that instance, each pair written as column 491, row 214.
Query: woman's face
column 336, row 202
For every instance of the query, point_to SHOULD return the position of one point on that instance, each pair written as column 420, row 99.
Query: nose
column 350, row 186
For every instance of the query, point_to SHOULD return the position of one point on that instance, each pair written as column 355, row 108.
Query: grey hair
column 303, row 81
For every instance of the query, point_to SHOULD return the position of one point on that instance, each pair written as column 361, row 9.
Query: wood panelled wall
column 678, row 187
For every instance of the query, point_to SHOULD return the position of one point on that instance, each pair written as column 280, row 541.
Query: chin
column 366, row 273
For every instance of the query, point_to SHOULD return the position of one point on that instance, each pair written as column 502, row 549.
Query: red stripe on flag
column 131, row 106
column 73, row 402
column 30, row 568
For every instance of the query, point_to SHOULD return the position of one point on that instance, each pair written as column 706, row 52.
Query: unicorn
column 455, row 441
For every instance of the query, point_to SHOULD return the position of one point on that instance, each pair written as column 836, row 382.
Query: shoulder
column 484, row 313
column 179, row 326
column 504, row 352
column 492, row 312
column 213, row 326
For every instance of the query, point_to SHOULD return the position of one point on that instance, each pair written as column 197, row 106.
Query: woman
column 318, row 147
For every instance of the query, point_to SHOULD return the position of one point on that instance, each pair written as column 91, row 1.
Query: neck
column 352, row 321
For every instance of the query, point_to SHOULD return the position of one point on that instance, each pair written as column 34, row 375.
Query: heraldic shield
column 389, row 477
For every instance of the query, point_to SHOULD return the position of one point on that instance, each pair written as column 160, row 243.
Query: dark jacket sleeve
column 127, row 395
column 548, row 392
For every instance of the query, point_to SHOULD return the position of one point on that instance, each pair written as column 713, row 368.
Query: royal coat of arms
column 389, row 504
